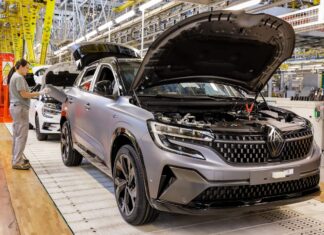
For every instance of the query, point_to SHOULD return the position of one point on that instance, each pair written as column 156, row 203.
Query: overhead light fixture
column 64, row 48
column 149, row 4
column 37, row 46
column 91, row 34
column 70, row 44
column 57, row 52
column 105, row 26
column 80, row 40
column 125, row 16
column 243, row 5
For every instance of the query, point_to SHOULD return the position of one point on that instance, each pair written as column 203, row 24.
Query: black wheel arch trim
column 121, row 131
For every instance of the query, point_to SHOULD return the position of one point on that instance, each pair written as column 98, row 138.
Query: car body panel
column 38, row 72
column 176, row 177
column 58, row 78
column 86, row 53
column 227, row 47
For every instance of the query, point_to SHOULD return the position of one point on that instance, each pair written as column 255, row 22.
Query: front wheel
column 128, row 175
column 70, row 156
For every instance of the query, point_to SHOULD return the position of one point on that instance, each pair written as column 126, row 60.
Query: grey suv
column 178, row 132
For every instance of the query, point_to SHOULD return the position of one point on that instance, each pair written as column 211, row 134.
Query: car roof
column 111, row 59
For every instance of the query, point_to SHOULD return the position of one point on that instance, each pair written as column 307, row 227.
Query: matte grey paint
column 94, row 120
column 185, row 51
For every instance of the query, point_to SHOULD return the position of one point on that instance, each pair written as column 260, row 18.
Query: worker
column 19, row 109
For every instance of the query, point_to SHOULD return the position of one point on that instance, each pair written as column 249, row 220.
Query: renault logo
column 275, row 142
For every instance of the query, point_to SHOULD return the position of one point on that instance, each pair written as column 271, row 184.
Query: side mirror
column 104, row 88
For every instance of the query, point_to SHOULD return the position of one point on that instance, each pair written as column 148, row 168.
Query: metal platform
column 85, row 198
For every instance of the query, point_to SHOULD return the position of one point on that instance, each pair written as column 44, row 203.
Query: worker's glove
column 45, row 91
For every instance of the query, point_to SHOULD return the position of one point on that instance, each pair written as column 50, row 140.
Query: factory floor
column 54, row 199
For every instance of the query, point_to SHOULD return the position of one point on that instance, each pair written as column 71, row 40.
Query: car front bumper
column 270, row 204
column 178, row 181
column 50, row 125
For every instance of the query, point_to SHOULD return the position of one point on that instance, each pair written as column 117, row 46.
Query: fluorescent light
column 243, row 5
column 38, row 45
column 105, row 26
column 91, row 34
column 125, row 16
column 149, row 4
column 57, row 52
column 71, row 44
column 64, row 48
column 80, row 40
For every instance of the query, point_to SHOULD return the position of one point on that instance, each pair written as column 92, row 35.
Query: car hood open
column 226, row 47
column 87, row 52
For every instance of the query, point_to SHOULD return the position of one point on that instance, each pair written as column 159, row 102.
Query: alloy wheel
column 65, row 142
column 125, row 184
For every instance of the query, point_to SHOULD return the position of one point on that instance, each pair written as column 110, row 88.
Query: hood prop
column 136, row 97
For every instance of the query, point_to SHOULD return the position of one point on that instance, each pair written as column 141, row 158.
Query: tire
column 70, row 156
column 39, row 135
column 128, row 175
column 31, row 127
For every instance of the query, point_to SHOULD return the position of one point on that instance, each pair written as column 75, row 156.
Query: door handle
column 87, row 106
column 70, row 99
column 115, row 116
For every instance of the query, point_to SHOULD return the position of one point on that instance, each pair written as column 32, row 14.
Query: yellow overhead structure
column 28, row 28
column 46, row 36
column 18, row 20
column 127, row 4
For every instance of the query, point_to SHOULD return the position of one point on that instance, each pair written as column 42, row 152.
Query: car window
column 87, row 79
column 105, row 81
column 40, row 72
column 193, row 89
column 128, row 70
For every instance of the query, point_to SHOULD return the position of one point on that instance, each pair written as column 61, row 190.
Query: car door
column 101, row 110
column 77, row 106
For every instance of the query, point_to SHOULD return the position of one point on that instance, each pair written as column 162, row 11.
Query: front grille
column 246, row 193
column 253, row 149
column 297, row 149
column 297, row 134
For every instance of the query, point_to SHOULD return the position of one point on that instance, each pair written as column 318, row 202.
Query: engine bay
column 234, row 121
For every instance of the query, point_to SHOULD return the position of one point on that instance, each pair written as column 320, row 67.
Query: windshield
column 128, row 70
column 193, row 89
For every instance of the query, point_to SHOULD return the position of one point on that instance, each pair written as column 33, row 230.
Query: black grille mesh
column 254, row 192
column 243, row 153
column 297, row 134
column 255, row 149
column 297, row 149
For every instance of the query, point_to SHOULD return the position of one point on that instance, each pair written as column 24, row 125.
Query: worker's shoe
column 24, row 165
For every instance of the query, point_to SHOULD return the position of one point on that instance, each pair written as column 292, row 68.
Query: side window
column 87, row 78
column 105, row 82
column 40, row 72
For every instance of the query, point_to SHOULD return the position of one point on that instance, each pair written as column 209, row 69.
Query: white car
column 45, row 112
column 38, row 72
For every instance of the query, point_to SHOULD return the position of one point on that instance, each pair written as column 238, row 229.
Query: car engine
column 234, row 120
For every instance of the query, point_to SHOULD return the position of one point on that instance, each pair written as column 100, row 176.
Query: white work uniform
column 19, row 108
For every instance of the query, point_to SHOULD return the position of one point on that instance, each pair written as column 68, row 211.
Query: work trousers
column 19, row 114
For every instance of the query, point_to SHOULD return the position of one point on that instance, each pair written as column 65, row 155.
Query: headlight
column 163, row 135
column 50, row 109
